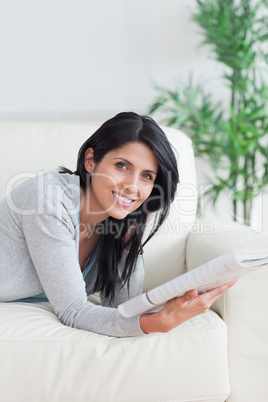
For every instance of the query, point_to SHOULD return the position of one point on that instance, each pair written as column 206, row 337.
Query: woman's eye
column 147, row 176
column 121, row 165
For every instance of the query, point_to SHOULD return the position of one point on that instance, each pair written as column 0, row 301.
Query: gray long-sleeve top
column 39, row 243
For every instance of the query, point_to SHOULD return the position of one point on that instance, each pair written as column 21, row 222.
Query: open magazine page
column 206, row 277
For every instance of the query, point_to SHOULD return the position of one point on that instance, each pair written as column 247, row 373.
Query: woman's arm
column 181, row 309
column 51, row 252
column 54, row 256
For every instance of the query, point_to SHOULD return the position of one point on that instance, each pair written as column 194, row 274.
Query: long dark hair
column 116, row 132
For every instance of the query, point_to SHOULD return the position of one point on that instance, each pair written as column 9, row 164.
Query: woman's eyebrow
column 127, row 161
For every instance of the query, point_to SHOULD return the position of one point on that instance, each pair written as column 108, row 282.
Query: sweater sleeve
column 52, row 248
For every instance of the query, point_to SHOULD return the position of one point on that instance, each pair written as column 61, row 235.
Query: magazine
column 208, row 276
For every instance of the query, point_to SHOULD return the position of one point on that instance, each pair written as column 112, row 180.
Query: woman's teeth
column 123, row 199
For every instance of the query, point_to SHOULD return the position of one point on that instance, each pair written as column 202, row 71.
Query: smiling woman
column 75, row 233
column 127, row 171
column 121, row 182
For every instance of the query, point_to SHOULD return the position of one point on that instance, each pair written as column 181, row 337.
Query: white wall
column 93, row 58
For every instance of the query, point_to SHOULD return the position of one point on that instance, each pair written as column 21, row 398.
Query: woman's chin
column 118, row 215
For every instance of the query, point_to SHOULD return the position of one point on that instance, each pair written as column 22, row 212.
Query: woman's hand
column 181, row 309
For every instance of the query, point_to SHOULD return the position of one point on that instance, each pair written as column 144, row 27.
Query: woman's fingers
column 194, row 303
column 180, row 309
column 211, row 294
column 205, row 300
column 190, row 295
column 220, row 290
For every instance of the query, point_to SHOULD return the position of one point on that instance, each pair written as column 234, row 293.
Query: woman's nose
column 131, row 184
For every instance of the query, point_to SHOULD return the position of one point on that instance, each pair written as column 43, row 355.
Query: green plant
column 234, row 139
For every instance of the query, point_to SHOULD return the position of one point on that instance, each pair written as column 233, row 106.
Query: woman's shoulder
column 55, row 176
column 46, row 188
column 66, row 181
column 41, row 180
column 63, row 187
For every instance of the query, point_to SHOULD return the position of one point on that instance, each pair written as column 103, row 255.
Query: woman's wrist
column 145, row 323
column 152, row 322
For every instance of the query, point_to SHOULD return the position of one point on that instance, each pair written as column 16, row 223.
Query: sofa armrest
column 244, row 307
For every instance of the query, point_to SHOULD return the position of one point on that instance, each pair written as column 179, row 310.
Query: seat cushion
column 43, row 360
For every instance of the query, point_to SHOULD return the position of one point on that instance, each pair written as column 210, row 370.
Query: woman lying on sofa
column 65, row 235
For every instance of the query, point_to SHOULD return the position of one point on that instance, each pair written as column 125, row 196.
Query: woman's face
column 121, row 181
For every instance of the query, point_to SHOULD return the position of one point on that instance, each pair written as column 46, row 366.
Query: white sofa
column 218, row 356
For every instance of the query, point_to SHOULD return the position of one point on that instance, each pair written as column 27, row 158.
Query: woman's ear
column 89, row 160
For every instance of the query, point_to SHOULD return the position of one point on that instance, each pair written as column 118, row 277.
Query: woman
column 65, row 235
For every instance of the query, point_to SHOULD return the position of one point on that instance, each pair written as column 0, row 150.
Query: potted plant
column 234, row 139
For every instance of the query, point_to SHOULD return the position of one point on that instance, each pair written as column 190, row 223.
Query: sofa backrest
column 29, row 148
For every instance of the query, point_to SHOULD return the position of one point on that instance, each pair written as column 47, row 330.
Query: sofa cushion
column 244, row 307
column 50, row 362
